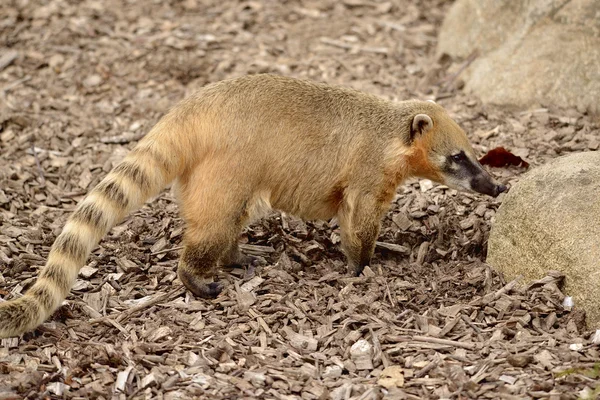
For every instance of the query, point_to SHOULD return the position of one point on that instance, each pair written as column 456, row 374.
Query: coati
column 240, row 146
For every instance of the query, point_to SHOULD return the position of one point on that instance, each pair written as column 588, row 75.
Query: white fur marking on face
column 431, row 101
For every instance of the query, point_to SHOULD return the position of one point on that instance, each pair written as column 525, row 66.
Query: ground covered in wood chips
column 82, row 81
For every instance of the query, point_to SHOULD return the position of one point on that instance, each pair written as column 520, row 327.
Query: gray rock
column 544, row 52
column 550, row 220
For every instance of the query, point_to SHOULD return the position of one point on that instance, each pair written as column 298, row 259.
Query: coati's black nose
column 500, row 189
column 485, row 184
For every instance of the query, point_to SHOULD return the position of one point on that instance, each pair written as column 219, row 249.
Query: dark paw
column 213, row 289
column 199, row 286
column 248, row 261
column 206, row 290
column 258, row 261
column 358, row 271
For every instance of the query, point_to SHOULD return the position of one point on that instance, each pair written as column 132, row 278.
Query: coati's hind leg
column 360, row 221
column 214, row 212
column 198, row 267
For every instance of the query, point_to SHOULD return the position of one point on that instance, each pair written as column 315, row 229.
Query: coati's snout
column 450, row 158
column 485, row 184
column 464, row 172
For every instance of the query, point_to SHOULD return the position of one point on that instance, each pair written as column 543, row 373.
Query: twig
column 14, row 84
column 125, row 315
column 167, row 250
column 447, row 342
column 392, row 25
column 257, row 250
column 470, row 323
column 7, row 58
column 157, row 299
column 354, row 48
column 395, row 248
column 427, row 368
column 427, row 339
column 507, row 288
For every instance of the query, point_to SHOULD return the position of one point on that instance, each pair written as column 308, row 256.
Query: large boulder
column 530, row 52
column 550, row 220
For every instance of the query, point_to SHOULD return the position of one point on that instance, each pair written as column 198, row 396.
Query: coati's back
column 287, row 129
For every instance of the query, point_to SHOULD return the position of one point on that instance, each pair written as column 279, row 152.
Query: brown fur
column 239, row 147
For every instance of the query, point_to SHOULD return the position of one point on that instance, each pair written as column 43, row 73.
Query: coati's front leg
column 360, row 220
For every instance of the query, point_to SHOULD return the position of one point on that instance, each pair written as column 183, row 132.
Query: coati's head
column 440, row 151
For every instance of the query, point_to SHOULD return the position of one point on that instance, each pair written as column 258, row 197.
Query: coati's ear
column 421, row 124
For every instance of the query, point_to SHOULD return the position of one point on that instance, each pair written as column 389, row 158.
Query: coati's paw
column 212, row 289
column 358, row 270
column 199, row 286
column 247, row 261
column 206, row 290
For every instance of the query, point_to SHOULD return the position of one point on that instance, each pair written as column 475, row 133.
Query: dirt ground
column 82, row 81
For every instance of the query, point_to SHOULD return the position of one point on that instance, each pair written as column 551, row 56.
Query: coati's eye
column 458, row 157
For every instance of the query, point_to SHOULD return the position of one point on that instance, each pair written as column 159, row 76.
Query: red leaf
column 500, row 157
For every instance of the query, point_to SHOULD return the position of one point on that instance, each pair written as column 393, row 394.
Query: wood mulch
column 82, row 81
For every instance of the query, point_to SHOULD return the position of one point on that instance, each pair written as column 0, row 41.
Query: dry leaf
column 500, row 157
column 392, row 376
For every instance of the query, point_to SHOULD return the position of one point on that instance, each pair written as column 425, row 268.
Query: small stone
column 519, row 360
column 425, row 185
column 568, row 303
column 135, row 126
column 58, row 388
column 56, row 60
column 92, row 81
column 361, row 353
column 301, row 342
column 576, row 346
column 332, row 372
column 192, row 358
column 256, row 378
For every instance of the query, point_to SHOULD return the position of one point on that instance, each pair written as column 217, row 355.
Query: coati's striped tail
column 146, row 170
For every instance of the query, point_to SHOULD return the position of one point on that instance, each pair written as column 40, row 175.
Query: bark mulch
column 82, row 81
